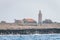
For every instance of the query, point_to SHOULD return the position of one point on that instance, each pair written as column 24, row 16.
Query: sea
column 31, row 37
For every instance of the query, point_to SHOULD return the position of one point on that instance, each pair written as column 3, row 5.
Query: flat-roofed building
column 18, row 22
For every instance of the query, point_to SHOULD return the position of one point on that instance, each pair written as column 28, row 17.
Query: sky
column 19, row 9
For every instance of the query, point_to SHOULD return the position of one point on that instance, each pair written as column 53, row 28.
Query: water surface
column 31, row 37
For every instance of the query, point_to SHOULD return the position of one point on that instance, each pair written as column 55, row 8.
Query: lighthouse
column 39, row 18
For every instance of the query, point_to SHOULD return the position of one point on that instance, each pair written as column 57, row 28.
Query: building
column 3, row 21
column 18, row 22
column 39, row 18
column 47, row 21
column 29, row 22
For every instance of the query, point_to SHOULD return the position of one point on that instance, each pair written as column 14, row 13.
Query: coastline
column 29, row 34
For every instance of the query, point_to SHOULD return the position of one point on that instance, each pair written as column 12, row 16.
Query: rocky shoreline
column 31, row 31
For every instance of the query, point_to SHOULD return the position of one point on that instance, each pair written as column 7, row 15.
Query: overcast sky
column 19, row 9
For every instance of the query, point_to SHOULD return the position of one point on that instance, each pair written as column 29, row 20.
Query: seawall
column 40, row 29
column 17, row 27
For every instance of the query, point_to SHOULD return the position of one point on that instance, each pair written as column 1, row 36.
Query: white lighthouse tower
column 39, row 18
